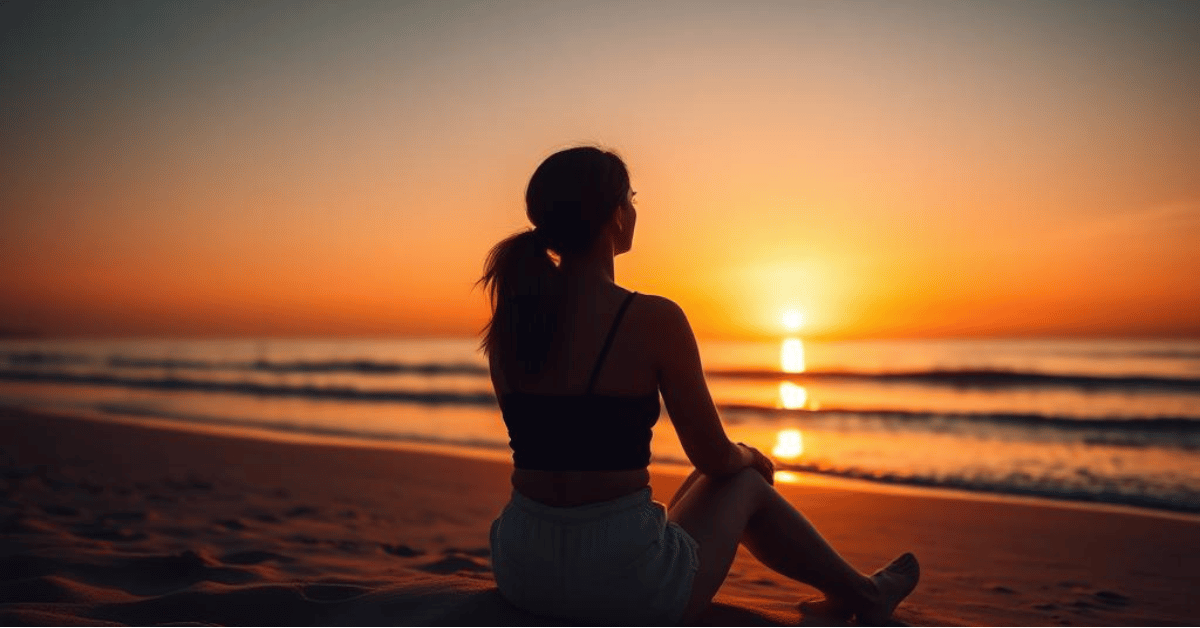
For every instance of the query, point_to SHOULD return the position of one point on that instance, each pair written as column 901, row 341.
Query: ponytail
column 524, row 288
column 570, row 199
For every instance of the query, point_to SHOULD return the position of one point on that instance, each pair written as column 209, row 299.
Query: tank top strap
column 612, row 333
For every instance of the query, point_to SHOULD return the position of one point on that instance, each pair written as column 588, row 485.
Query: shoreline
column 109, row 521
column 797, row 478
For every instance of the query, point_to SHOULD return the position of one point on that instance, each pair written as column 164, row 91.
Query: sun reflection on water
column 792, row 396
column 789, row 444
column 791, row 357
column 787, row 477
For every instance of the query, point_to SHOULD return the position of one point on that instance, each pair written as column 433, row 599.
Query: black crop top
column 587, row 432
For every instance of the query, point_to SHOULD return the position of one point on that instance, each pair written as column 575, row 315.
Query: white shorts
column 614, row 562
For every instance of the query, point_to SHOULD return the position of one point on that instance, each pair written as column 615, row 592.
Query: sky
column 899, row 169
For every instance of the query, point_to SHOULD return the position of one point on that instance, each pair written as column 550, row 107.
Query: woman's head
column 574, row 196
column 577, row 199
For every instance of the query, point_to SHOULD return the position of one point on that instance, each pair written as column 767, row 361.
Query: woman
column 578, row 364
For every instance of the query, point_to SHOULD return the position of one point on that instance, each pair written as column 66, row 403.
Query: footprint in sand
column 254, row 557
column 481, row 552
column 131, row 516
column 403, row 551
column 59, row 510
column 18, row 524
column 101, row 531
column 452, row 564
column 1112, row 598
column 334, row 592
column 191, row 483
column 178, row 532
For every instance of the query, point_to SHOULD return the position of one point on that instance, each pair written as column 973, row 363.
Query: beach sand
column 116, row 523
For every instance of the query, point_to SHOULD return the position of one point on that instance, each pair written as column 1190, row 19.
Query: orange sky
column 900, row 169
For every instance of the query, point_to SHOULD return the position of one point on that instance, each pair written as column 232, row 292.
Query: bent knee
column 752, row 475
column 743, row 481
column 749, row 478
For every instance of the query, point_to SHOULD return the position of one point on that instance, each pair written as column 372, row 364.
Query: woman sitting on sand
column 578, row 364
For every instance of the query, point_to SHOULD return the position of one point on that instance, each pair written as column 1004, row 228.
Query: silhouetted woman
column 578, row 364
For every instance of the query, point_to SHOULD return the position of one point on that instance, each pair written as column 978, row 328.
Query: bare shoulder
column 664, row 327
column 660, row 310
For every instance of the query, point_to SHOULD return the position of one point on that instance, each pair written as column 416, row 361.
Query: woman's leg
column 720, row 513
column 683, row 488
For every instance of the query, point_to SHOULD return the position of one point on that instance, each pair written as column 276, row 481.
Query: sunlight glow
column 792, row 396
column 791, row 358
column 793, row 319
column 787, row 477
column 788, row 444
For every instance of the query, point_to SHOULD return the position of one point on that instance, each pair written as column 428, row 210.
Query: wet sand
column 116, row 523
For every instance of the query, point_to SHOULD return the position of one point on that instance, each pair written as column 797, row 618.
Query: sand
column 114, row 523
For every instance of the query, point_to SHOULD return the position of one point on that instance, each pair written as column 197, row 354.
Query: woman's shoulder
column 660, row 312
column 661, row 332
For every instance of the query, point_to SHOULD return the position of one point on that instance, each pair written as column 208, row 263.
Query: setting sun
column 793, row 319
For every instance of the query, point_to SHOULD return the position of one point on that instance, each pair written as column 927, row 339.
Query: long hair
column 571, row 197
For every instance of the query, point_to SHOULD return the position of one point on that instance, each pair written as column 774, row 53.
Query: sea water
column 1101, row 421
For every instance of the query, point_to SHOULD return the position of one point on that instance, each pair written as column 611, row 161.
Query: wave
column 344, row 393
column 44, row 358
column 1163, row 432
column 978, row 378
column 1153, row 423
column 1186, row 429
column 306, row 366
column 360, row 366
column 1172, row 432
column 956, row 378
column 1169, row 354
column 1092, row 488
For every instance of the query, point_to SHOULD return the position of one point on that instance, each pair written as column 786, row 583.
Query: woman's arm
column 689, row 403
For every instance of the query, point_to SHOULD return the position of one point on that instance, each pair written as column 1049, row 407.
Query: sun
column 793, row 319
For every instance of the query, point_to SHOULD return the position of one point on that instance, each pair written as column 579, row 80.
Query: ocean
column 1113, row 422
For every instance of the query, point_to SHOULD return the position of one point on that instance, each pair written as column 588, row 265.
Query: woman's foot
column 828, row 609
column 883, row 592
column 892, row 584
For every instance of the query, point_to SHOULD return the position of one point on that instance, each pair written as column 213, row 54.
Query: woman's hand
column 760, row 462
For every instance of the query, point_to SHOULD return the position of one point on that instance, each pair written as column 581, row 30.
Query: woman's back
column 589, row 314
column 582, row 422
